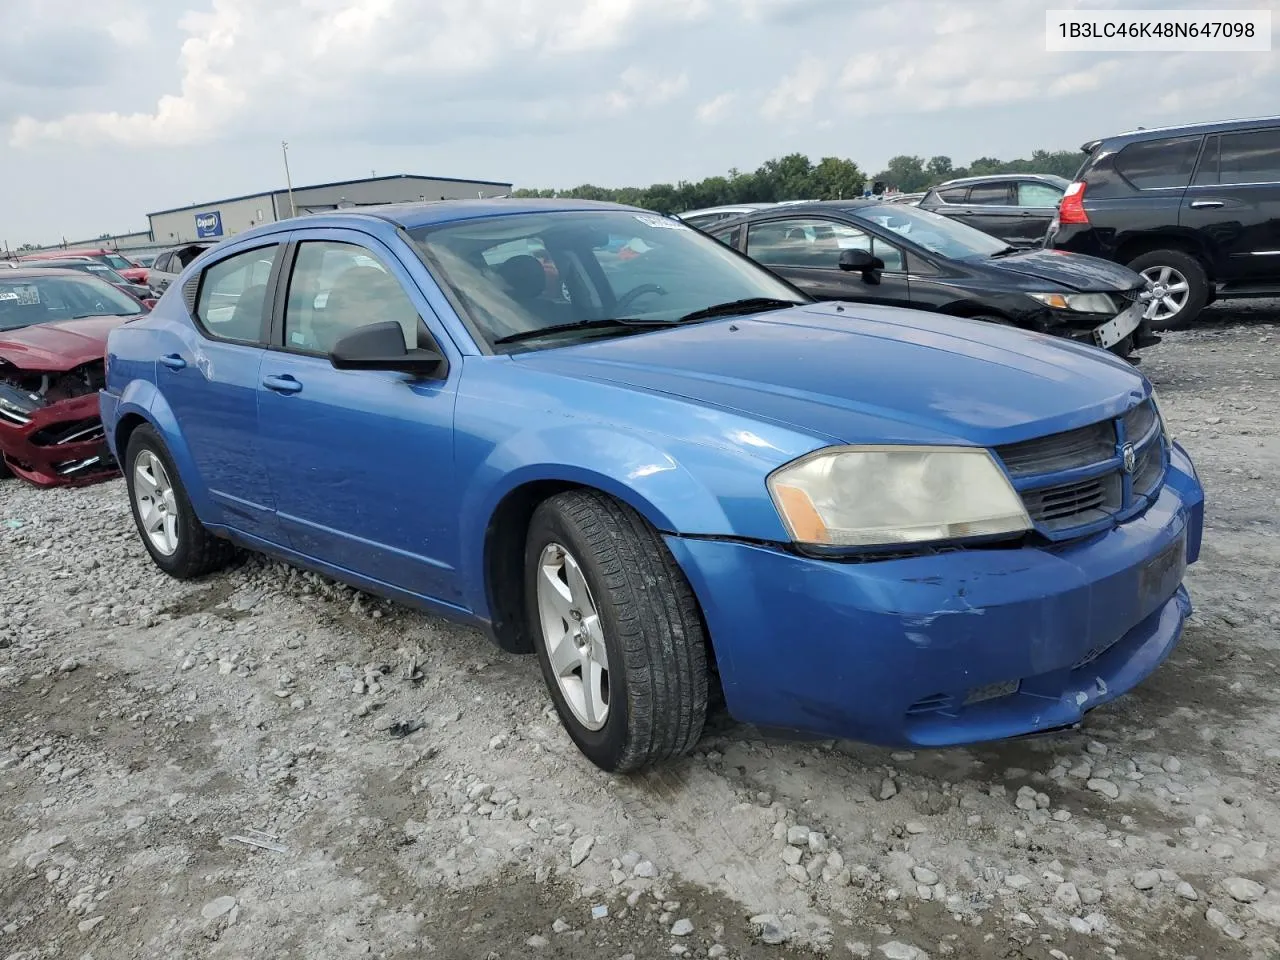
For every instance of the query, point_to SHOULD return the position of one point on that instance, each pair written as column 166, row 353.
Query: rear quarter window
column 1158, row 164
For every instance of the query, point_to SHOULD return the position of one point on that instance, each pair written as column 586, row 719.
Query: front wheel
column 617, row 630
column 176, row 539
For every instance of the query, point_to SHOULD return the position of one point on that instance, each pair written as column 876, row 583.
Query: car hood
column 856, row 373
column 58, row 346
column 134, row 274
column 1072, row 270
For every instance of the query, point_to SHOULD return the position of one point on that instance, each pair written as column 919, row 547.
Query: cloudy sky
column 113, row 108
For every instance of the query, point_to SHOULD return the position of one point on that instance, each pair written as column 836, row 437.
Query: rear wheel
column 1178, row 287
column 177, row 541
column 617, row 631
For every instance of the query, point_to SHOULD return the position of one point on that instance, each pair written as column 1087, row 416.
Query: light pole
column 284, row 148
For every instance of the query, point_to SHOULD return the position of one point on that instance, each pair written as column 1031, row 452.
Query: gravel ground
column 266, row 765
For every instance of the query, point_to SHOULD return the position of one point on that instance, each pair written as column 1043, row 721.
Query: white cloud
column 714, row 110
column 795, row 95
column 300, row 59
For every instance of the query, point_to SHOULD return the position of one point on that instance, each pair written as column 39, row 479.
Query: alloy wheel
column 155, row 501
column 1166, row 294
column 574, row 636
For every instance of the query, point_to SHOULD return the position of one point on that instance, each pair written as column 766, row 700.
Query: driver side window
column 336, row 288
column 803, row 242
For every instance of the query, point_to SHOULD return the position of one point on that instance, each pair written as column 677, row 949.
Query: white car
column 706, row 216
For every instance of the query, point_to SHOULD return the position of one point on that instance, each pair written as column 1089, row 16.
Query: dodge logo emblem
column 1130, row 458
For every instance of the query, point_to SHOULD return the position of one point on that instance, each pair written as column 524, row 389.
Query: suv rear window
column 1159, row 163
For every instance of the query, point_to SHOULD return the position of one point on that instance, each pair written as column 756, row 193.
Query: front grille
column 74, row 431
column 1062, row 451
column 1133, row 294
column 1059, row 505
column 1138, row 422
column 1075, row 504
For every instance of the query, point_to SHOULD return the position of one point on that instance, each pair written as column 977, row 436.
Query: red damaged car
column 53, row 335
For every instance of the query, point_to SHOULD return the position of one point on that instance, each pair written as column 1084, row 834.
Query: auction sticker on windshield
column 664, row 223
column 25, row 296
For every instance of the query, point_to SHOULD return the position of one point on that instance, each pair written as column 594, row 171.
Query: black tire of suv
column 199, row 551
column 652, row 630
column 1197, row 281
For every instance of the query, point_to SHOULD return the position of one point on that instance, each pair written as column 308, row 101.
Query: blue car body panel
column 392, row 484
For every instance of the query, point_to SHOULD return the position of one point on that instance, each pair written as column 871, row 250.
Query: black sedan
column 870, row 251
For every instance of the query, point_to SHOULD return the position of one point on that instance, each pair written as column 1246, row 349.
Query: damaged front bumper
column 949, row 648
column 53, row 443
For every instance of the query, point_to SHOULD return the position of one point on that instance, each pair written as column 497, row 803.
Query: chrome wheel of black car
column 1177, row 288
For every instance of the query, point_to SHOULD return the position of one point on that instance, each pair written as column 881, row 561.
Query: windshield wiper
column 603, row 323
column 1004, row 252
column 734, row 307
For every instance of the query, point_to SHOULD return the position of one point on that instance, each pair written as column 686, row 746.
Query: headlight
column 887, row 495
column 1077, row 302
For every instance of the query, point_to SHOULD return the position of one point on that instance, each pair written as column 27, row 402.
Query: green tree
column 906, row 174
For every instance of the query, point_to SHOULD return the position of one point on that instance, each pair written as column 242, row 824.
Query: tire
column 1172, row 264
column 647, row 621
column 196, row 552
column 5, row 472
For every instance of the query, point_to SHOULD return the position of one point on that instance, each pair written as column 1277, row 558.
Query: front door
column 209, row 378
column 806, row 252
column 1234, row 201
column 361, row 462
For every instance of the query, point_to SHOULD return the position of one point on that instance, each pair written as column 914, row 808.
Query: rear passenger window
column 953, row 194
column 1159, row 163
column 990, row 195
column 1032, row 194
column 233, row 295
column 1252, row 157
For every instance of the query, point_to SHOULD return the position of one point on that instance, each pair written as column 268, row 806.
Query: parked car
column 143, row 259
column 706, row 216
column 675, row 471
column 1195, row 209
column 1016, row 208
column 170, row 263
column 140, row 292
column 870, row 251
column 53, row 333
column 112, row 258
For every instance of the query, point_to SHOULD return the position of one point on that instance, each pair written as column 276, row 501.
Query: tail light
column 1071, row 210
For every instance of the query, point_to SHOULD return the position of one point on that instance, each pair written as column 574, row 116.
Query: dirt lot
column 405, row 790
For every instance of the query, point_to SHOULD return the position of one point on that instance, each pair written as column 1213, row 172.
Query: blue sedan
column 608, row 440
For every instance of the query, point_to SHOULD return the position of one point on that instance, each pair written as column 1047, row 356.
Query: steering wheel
column 636, row 293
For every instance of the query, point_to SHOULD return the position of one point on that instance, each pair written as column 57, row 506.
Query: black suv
column 1016, row 207
column 1194, row 209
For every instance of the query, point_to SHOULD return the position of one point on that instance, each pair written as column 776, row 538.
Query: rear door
column 989, row 207
column 806, row 252
column 209, row 377
column 1234, row 199
column 1037, row 204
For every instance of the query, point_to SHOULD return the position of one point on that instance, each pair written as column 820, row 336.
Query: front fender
column 662, row 485
column 141, row 398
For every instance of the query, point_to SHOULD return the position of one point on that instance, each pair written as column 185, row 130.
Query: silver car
column 170, row 264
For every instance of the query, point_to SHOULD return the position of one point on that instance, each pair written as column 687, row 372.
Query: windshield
column 28, row 300
column 90, row 266
column 531, row 271
column 116, row 261
column 936, row 233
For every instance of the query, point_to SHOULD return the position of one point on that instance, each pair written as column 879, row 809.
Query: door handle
column 283, row 384
column 173, row 361
column 1201, row 204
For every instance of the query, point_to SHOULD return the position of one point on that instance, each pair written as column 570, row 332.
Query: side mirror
column 380, row 346
column 861, row 261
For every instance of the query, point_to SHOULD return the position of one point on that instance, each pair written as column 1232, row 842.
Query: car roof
column 411, row 216
column 989, row 177
column 723, row 207
column 1188, row 129
column 42, row 272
